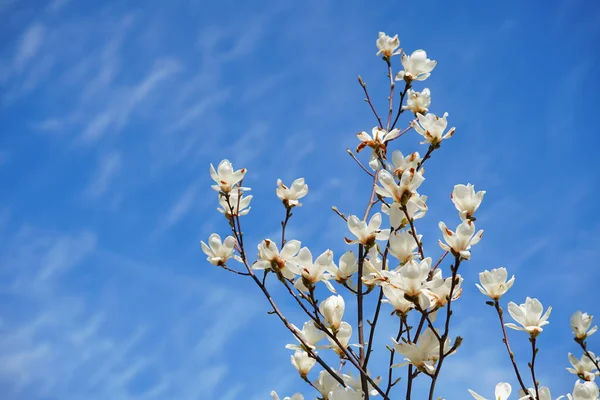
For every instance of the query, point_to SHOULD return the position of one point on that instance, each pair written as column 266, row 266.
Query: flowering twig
column 391, row 97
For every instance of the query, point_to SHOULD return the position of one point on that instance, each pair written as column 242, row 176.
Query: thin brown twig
column 358, row 162
column 391, row 98
column 400, row 110
column 392, row 354
column 534, row 351
column 368, row 100
column 510, row 353
column 446, row 333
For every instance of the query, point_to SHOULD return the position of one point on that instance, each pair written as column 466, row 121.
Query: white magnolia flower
column 296, row 396
column 417, row 67
column 376, row 141
column 283, row 262
column 466, row 200
column 502, row 392
column 424, row 354
column 580, row 323
column 432, row 128
column 302, row 362
column 225, row 177
column 343, row 335
column 291, row 195
column 219, row 252
column 412, row 277
column 584, row 368
column 373, row 269
column 494, row 284
column 439, row 289
column 395, row 297
column 314, row 272
column 544, row 394
column 325, row 383
column 401, row 163
column 366, row 233
column 403, row 246
column 418, row 102
column 238, row 205
column 333, row 310
column 346, row 393
column 460, row 242
column 416, row 208
column 356, row 384
column 387, row 45
column 585, row 390
column 309, row 333
column 529, row 315
column 400, row 192
column 348, row 265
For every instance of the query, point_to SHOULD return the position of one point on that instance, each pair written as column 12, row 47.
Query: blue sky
column 110, row 113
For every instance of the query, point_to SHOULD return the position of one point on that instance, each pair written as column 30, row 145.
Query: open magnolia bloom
column 438, row 289
column 355, row 383
column 225, row 177
column 376, row 141
column 466, row 200
column 348, row 265
column 584, row 368
column 424, row 354
column 333, row 310
column 460, row 242
column 403, row 246
column 284, row 263
column 302, row 362
column 417, row 67
column 502, row 392
column 494, row 284
column 219, row 252
column 580, row 323
column 373, row 269
column 366, row 234
column 343, row 335
column 309, row 333
column 432, row 128
column 313, row 272
column 529, row 316
column 387, row 45
column 544, row 394
column 395, row 297
column 290, row 196
column 400, row 163
column 235, row 204
column 400, row 192
column 418, row 102
column 325, row 383
column 416, row 208
column 296, row 396
column 585, row 390
column 346, row 393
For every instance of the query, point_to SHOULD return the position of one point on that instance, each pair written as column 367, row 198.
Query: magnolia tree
column 386, row 262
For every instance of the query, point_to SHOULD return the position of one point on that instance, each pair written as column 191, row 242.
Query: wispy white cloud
column 29, row 45
column 108, row 167
column 179, row 209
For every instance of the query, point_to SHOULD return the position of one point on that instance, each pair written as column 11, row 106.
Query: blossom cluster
column 385, row 258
